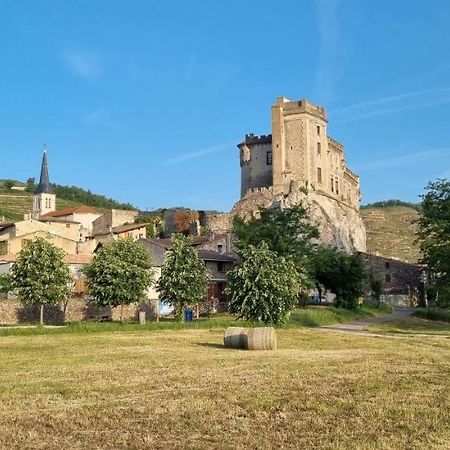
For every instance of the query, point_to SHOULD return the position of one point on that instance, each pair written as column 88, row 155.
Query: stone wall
column 13, row 312
column 113, row 218
column 219, row 223
column 396, row 276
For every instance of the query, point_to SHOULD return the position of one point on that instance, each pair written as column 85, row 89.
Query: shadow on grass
column 210, row 345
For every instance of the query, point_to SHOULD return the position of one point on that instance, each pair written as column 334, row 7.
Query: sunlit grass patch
column 412, row 325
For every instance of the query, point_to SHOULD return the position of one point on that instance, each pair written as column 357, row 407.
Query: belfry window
column 269, row 158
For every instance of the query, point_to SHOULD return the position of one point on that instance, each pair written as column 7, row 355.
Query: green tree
column 434, row 237
column 40, row 275
column 119, row 274
column 263, row 286
column 8, row 184
column 183, row 276
column 341, row 274
column 31, row 184
column 5, row 283
column 288, row 232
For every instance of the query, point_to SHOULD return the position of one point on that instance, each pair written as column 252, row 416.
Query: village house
column 217, row 265
column 76, row 230
column 401, row 282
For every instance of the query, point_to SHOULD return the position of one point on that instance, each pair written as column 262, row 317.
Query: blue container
column 188, row 315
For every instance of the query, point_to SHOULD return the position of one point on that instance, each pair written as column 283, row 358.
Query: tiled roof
column 82, row 209
column 209, row 255
column 122, row 229
column 6, row 225
column 166, row 243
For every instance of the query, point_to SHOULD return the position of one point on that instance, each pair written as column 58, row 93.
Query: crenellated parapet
column 335, row 144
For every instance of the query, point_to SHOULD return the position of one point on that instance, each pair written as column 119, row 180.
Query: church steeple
column 44, row 200
column 44, row 186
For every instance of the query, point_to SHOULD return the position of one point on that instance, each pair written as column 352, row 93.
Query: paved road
column 360, row 325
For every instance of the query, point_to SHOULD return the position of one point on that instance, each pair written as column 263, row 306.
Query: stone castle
column 299, row 162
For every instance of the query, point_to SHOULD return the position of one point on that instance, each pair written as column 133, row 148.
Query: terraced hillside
column 391, row 231
column 14, row 203
column 13, row 206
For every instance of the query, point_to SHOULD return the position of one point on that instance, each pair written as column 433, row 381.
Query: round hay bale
column 235, row 337
column 261, row 338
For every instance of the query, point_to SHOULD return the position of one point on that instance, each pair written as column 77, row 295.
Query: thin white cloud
column 393, row 104
column 403, row 160
column 196, row 154
column 85, row 65
column 330, row 64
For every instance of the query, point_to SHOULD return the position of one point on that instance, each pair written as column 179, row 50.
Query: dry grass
column 182, row 389
column 391, row 231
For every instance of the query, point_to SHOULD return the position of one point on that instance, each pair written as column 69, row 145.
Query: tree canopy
column 340, row 273
column 263, row 285
column 434, row 236
column 40, row 275
column 183, row 276
column 288, row 232
column 120, row 273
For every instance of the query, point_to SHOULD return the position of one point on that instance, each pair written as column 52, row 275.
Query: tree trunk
column 41, row 315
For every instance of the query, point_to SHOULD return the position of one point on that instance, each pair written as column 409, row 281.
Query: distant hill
column 391, row 229
column 13, row 203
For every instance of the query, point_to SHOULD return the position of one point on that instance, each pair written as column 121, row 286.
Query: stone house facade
column 400, row 281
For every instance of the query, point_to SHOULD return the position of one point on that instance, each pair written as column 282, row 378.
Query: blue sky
column 145, row 101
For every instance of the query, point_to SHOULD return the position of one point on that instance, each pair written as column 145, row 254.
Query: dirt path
column 359, row 326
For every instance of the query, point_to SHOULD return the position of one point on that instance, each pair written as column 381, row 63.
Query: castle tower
column 299, row 143
column 298, row 153
column 44, row 200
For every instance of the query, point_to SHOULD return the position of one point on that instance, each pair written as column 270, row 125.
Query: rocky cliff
column 339, row 224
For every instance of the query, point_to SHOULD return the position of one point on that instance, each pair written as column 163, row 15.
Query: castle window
column 319, row 175
column 386, row 264
column 387, row 278
column 332, row 184
column 319, row 148
column 337, row 187
column 318, row 130
column 220, row 267
column 269, row 158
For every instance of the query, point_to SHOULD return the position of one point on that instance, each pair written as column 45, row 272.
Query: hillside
column 13, row 204
column 391, row 231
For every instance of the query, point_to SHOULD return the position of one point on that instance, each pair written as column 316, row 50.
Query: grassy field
column 312, row 316
column 182, row 389
column 412, row 325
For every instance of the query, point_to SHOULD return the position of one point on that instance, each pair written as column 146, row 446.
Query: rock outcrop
column 339, row 224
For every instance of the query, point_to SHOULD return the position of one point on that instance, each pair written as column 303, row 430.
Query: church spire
column 44, row 186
